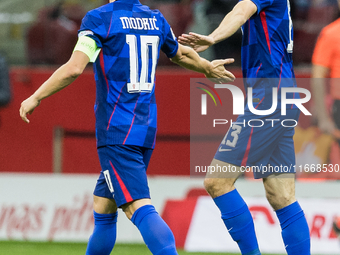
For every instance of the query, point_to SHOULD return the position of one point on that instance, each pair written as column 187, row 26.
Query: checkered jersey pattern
column 130, row 36
column 267, row 47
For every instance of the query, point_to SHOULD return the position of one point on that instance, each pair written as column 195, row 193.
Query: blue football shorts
column 264, row 150
column 123, row 175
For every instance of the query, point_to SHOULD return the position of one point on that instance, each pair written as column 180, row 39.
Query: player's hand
column 218, row 73
column 326, row 125
column 336, row 134
column 27, row 107
column 196, row 41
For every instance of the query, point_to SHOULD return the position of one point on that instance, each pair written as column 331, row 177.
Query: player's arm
column 318, row 86
column 85, row 51
column 189, row 59
column 242, row 11
column 321, row 59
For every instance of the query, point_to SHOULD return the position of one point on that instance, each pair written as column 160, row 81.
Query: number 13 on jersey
column 148, row 45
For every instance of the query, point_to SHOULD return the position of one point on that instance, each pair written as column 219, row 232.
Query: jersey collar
column 129, row 1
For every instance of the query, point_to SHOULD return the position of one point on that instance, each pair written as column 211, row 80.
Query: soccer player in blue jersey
column 123, row 39
column 267, row 48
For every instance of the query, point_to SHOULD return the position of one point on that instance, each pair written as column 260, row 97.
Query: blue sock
column 103, row 238
column 156, row 233
column 295, row 231
column 239, row 222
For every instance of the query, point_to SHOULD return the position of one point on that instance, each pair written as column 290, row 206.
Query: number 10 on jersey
column 145, row 81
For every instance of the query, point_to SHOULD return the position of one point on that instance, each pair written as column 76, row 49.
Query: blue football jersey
column 267, row 47
column 130, row 36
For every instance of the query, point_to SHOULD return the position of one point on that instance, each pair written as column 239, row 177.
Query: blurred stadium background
column 49, row 167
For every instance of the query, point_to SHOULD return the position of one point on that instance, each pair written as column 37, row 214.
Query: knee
column 104, row 205
column 279, row 200
column 217, row 187
column 130, row 208
column 209, row 185
column 280, row 190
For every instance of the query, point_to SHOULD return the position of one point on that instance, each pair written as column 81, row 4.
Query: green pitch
column 53, row 248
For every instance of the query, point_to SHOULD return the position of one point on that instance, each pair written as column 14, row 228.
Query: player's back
column 268, row 41
column 130, row 36
column 267, row 48
column 327, row 54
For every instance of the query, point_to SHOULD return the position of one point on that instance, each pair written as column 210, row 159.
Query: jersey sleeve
column 170, row 44
column 88, row 46
column 323, row 50
column 261, row 4
column 93, row 27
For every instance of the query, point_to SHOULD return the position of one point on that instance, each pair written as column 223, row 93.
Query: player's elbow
column 181, row 55
column 241, row 17
column 74, row 71
column 243, row 11
column 177, row 59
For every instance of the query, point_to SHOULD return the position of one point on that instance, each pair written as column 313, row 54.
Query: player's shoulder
column 99, row 15
column 100, row 9
column 93, row 14
column 157, row 12
column 153, row 12
column 331, row 30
